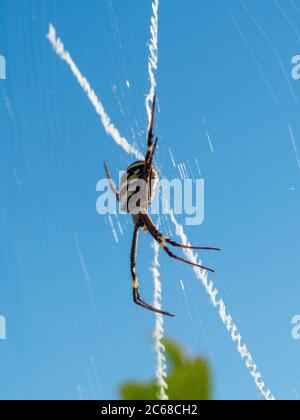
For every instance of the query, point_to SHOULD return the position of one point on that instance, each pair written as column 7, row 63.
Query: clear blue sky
column 64, row 282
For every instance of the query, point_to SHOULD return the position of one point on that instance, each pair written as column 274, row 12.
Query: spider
column 146, row 172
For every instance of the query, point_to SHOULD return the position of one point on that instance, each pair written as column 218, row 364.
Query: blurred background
column 229, row 109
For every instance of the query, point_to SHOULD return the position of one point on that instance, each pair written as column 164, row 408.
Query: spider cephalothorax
column 143, row 176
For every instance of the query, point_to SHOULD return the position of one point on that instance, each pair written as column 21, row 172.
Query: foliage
column 188, row 379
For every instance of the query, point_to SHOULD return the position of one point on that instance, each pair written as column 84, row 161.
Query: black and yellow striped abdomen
column 130, row 184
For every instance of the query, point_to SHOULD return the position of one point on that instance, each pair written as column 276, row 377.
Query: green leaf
column 139, row 391
column 175, row 355
column 188, row 379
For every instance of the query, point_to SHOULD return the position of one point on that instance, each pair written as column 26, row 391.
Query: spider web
column 200, row 274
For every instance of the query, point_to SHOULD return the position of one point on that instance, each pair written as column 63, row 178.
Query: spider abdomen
column 131, row 184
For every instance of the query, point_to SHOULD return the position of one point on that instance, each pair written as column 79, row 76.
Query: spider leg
column 159, row 238
column 152, row 155
column 135, row 285
column 150, row 225
column 172, row 255
column 149, row 152
column 148, row 176
column 111, row 182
